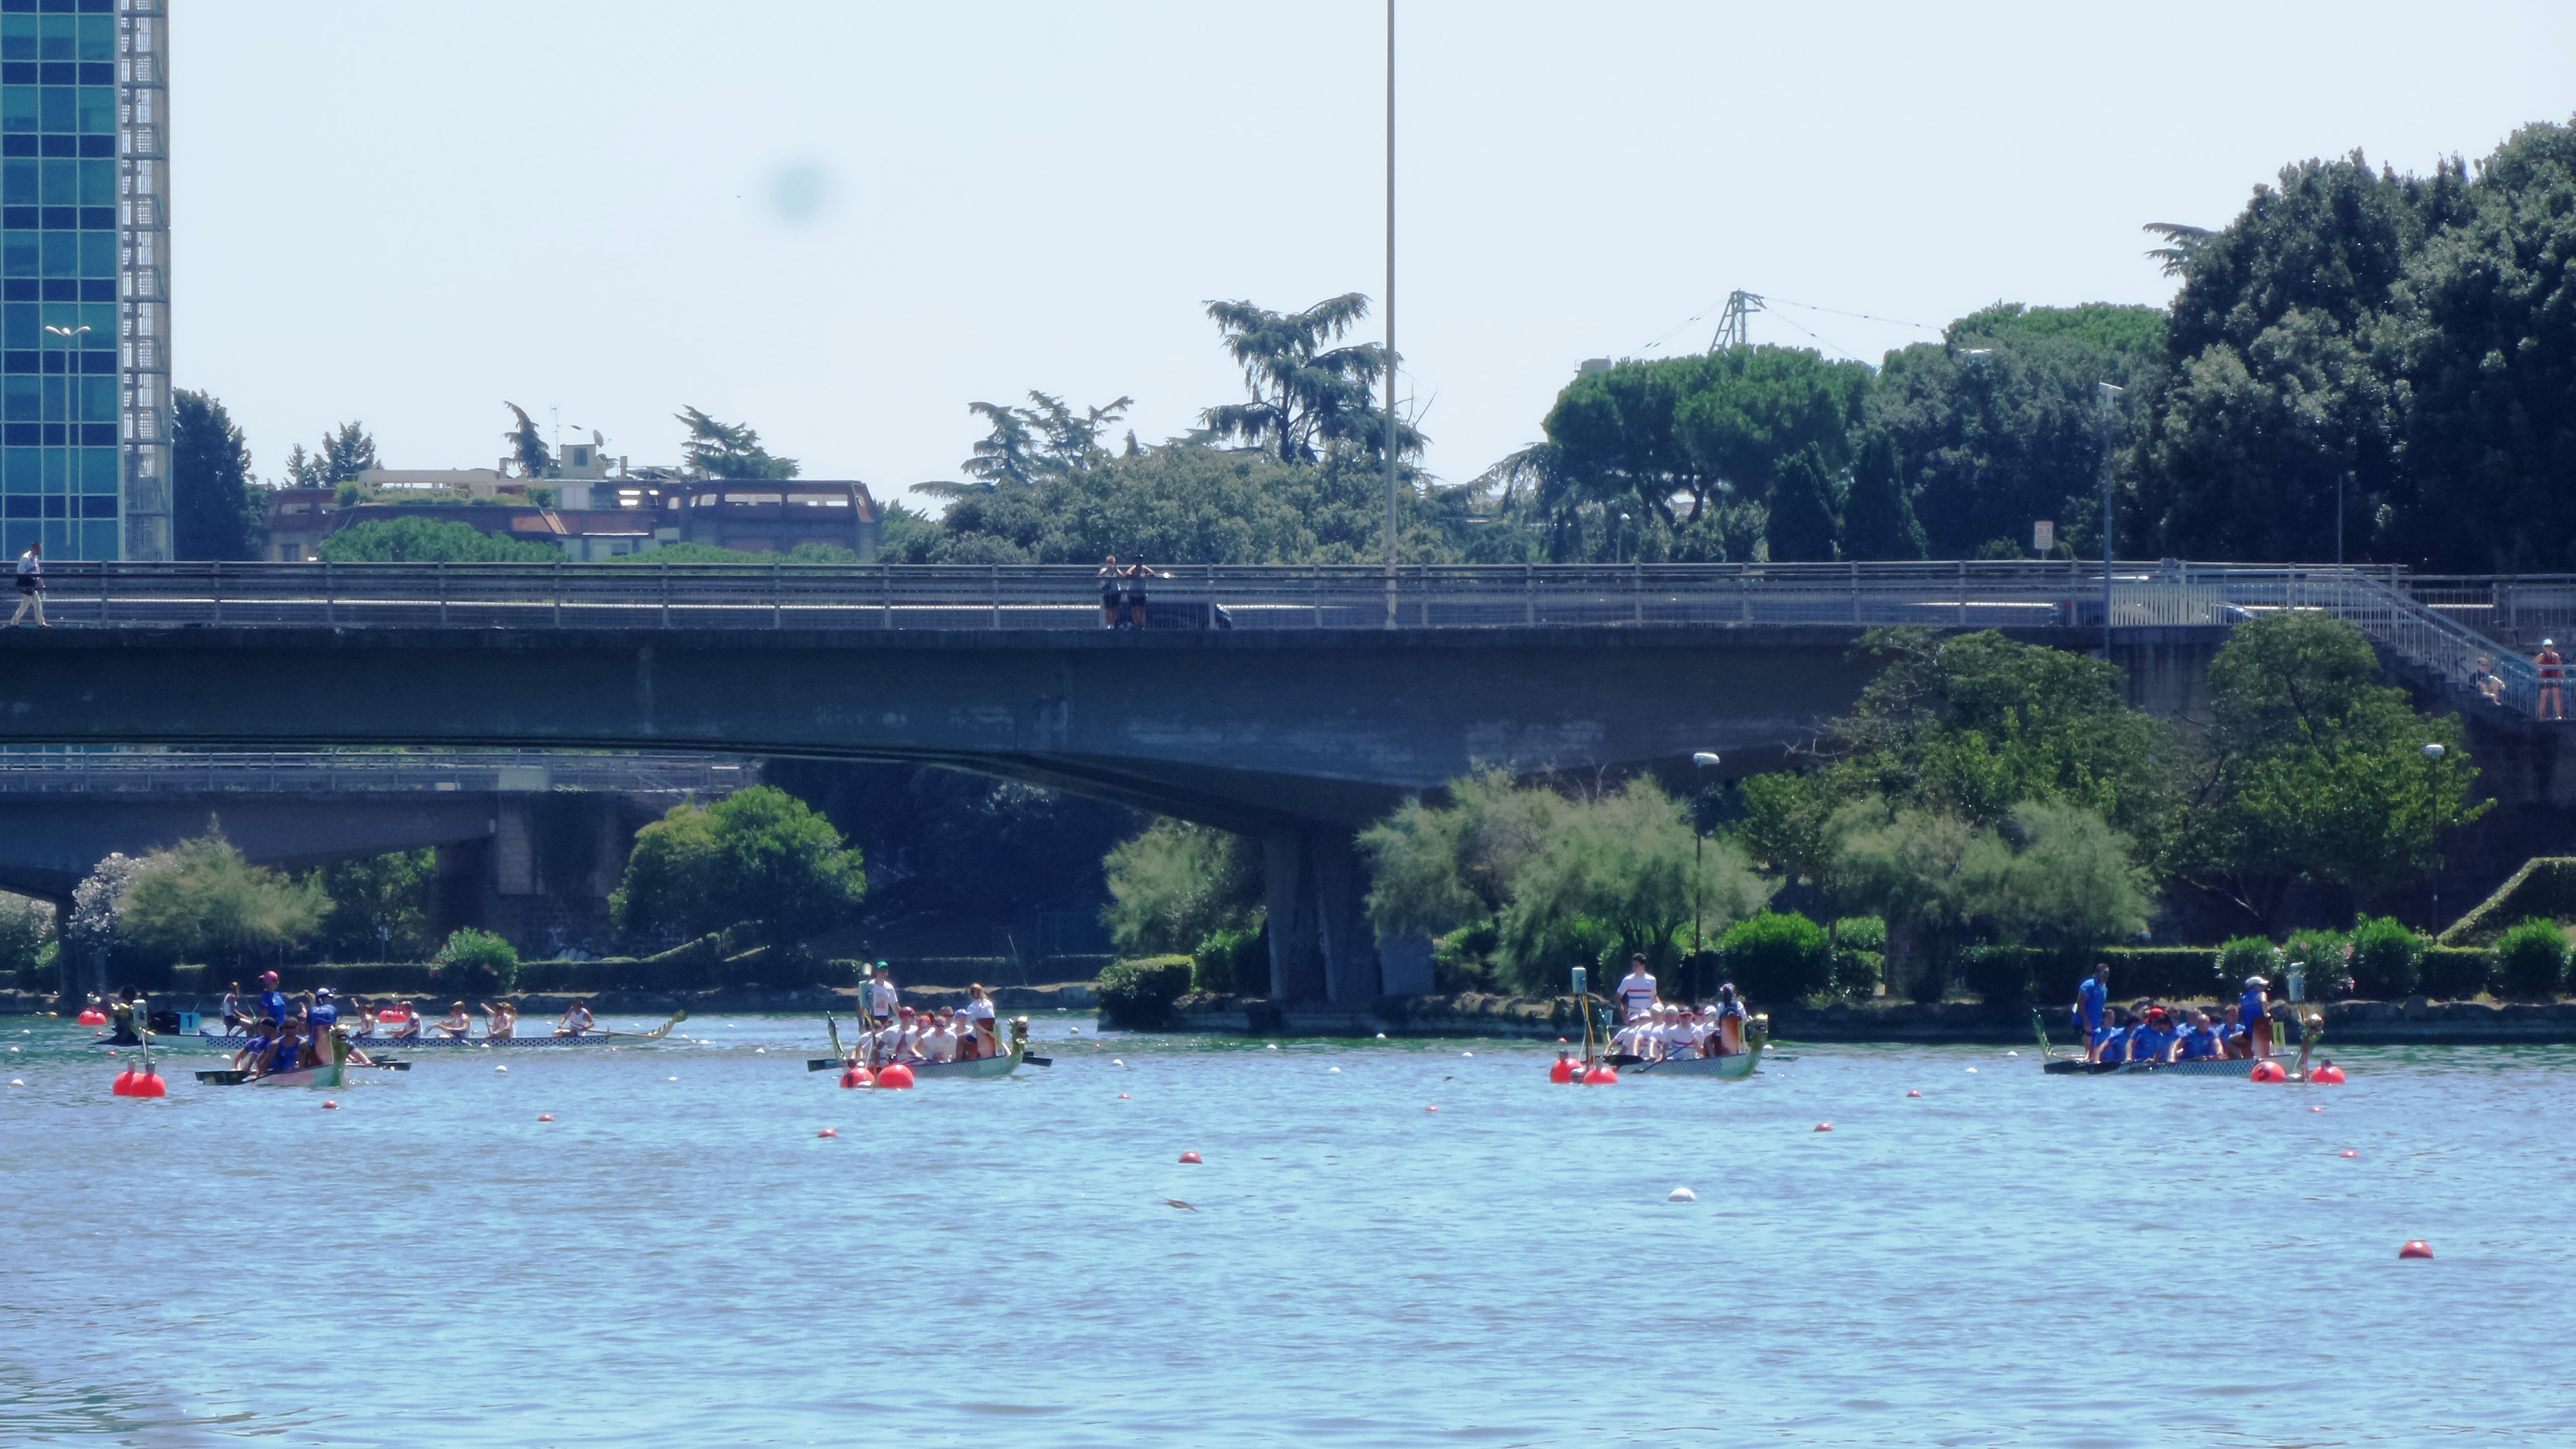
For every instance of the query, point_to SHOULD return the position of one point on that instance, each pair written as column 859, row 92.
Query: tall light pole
column 1390, row 313
column 71, row 407
column 2432, row 801
column 2110, row 395
column 1703, row 759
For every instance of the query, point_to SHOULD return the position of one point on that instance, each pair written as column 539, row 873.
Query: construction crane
column 1735, row 324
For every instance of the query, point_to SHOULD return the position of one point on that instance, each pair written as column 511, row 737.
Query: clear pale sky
column 841, row 222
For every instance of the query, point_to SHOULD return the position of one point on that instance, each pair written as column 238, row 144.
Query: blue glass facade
column 60, row 378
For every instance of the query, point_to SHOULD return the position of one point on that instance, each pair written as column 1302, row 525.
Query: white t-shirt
column 1636, row 991
column 881, row 998
column 1678, row 1040
column 979, row 1010
column 940, row 1045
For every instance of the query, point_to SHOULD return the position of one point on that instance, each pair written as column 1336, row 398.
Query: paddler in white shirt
column 1678, row 1042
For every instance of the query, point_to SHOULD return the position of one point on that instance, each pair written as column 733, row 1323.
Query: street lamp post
column 2432, row 788
column 71, row 405
column 2110, row 395
column 1701, row 759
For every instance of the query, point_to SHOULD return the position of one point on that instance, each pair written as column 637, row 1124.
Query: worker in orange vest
column 2553, row 670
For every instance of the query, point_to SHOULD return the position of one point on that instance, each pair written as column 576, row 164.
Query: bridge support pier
column 1321, row 946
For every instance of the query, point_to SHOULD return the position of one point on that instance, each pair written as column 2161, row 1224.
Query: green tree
column 1717, row 429
column 2315, row 771
column 1999, row 425
column 216, row 510
column 202, row 899
column 1878, row 517
column 528, row 446
column 1434, row 869
column 1305, row 393
column 379, row 905
column 1802, row 522
column 429, row 540
column 1777, row 958
column 476, row 964
column 729, row 450
column 1177, row 884
column 759, row 855
column 1975, row 724
column 1045, row 439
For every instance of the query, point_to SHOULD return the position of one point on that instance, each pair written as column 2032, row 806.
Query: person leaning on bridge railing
column 1137, row 575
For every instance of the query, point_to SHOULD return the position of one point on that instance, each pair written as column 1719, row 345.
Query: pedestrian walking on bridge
column 31, row 585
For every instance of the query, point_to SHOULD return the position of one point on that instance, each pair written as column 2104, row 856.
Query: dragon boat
column 1001, row 1066
column 1733, row 1067
column 426, row 1041
column 2312, row 1033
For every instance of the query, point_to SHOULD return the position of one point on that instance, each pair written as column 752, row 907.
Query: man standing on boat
column 2090, row 999
column 882, row 997
column 2254, row 1009
column 1636, row 990
column 272, row 1002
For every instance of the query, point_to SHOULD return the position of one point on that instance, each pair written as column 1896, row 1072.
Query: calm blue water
column 678, row 1260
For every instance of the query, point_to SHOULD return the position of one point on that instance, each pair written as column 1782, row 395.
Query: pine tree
column 1802, row 525
column 1878, row 519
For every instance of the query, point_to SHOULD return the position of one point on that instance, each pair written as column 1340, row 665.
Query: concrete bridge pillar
column 1321, row 946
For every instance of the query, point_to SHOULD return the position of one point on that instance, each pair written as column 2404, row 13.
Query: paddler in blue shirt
column 272, row 1002
column 2254, row 1008
column 2090, row 1000
column 2200, row 1043
column 2111, row 1045
column 2151, row 1041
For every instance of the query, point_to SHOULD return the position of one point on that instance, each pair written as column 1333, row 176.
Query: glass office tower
column 84, row 304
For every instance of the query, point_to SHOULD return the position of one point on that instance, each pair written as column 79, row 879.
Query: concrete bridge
column 1291, row 704
column 527, row 844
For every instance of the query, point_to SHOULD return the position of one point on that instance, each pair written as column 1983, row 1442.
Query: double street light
column 71, row 405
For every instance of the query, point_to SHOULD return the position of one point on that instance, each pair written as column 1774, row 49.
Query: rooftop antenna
column 1735, row 324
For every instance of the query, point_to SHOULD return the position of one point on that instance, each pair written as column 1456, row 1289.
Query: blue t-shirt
column 272, row 1005
column 2199, row 1043
column 2115, row 1047
column 2088, row 999
column 324, row 1016
column 289, row 1052
column 256, row 1052
column 2147, row 1044
column 2249, row 1007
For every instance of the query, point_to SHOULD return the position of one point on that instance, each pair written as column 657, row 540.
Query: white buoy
column 1466, row 1054
column 1972, row 1071
column 1332, row 1069
column 670, row 1079
column 504, row 1071
column 1117, row 1061
column 13, row 1081
column 760, row 1051
column 1381, row 1036
column 2012, row 1054
column 1274, row 1046
column 1682, row 1194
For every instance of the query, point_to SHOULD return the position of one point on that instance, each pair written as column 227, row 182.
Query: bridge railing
column 2432, row 621
column 49, row 771
column 949, row 597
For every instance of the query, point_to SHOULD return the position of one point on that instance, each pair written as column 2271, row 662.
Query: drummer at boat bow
column 1637, row 993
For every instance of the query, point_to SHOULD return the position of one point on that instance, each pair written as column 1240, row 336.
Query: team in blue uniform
column 2153, row 1033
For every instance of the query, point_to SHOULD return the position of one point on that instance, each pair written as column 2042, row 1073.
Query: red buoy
column 1601, row 1074
column 123, row 1086
column 1122, row 1096
column 1824, row 1126
column 2418, row 1248
column 829, row 1132
column 1912, row 1093
column 92, row 1016
column 896, row 1074
column 2268, row 1072
column 2328, row 1075
column 331, row 1106
column 148, row 1083
column 1189, row 1157
column 545, row 1116
column 1563, row 1071
column 857, row 1077
column 1430, row 1109
column 2348, row 1152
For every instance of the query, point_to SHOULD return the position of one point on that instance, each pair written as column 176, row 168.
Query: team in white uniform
column 1655, row 1030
